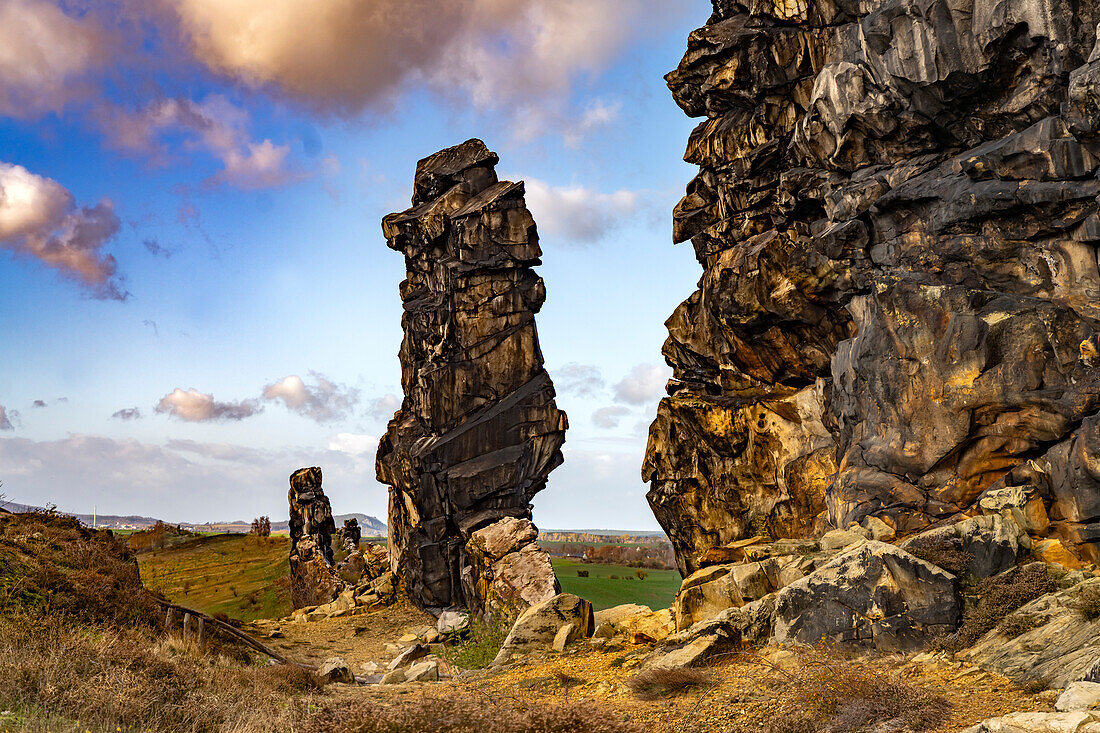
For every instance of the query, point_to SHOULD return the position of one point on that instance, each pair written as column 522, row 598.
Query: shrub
column 480, row 645
column 582, row 573
column 641, row 574
column 1019, row 623
column 613, row 577
column 831, row 695
column 1087, row 602
column 997, row 597
column 662, row 682
column 50, row 564
column 943, row 551
column 467, row 714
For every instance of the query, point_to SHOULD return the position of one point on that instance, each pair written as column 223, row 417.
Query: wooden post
column 186, row 627
column 169, row 616
column 202, row 631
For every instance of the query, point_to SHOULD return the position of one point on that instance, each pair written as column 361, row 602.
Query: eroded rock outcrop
column 478, row 431
column 896, row 213
column 313, row 576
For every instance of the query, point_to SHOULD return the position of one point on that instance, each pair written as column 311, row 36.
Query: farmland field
column 656, row 591
column 234, row 574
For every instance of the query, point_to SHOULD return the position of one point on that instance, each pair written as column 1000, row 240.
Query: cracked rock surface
column 896, row 215
column 478, row 430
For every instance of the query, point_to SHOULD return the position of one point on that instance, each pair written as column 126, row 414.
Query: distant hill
column 371, row 526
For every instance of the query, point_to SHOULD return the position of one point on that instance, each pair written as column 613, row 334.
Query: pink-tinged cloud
column 46, row 57
column 39, row 219
column 323, row 401
column 195, row 406
column 345, row 56
column 215, row 126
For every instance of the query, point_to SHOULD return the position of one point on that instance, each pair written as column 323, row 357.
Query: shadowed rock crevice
column 896, row 215
column 478, row 431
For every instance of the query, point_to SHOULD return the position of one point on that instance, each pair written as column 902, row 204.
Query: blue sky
column 249, row 321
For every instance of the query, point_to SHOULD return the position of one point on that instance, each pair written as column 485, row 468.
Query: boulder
column 503, row 537
column 539, row 625
column 1064, row 647
column 504, row 586
column 478, row 431
column 452, row 622
column 335, row 669
column 873, row 594
column 1077, row 722
column 409, row 655
column 994, row 542
column 566, row 635
column 1078, row 696
column 427, row 671
column 695, row 652
column 393, row 677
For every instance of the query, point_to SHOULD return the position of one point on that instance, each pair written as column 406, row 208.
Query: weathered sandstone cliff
column 478, row 431
column 896, row 214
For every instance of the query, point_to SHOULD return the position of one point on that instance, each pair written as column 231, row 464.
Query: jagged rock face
column 478, row 431
column 311, row 528
column 896, row 213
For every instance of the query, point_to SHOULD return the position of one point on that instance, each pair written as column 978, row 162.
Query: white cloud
column 182, row 480
column 644, row 384
column 599, row 113
column 384, row 407
column 578, row 213
column 195, row 406
column 325, row 401
column 215, row 126
column 582, row 380
column 45, row 57
column 608, row 417
column 353, row 444
column 39, row 219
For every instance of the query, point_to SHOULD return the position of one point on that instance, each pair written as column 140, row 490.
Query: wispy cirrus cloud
column 195, row 406
column 39, row 219
column 215, row 126
column 582, row 380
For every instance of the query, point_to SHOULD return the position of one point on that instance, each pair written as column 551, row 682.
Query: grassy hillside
column 656, row 591
column 232, row 574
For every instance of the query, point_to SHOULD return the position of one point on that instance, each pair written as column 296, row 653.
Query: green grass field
column 656, row 591
column 234, row 574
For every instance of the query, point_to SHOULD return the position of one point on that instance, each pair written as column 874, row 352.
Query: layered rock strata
column 313, row 578
column 478, row 431
column 896, row 214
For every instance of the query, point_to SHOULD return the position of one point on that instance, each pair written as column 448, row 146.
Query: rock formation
column 478, row 430
column 311, row 528
column 350, row 535
column 896, row 214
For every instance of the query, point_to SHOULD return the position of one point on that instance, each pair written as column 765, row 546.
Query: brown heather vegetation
column 469, row 713
column 82, row 648
column 662, row 682
column 993, row 601
column 830, row 694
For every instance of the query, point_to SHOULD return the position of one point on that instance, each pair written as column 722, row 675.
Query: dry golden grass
column 53, row 668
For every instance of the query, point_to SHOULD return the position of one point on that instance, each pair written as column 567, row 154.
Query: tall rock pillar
column 311, row 527
column 478, row 431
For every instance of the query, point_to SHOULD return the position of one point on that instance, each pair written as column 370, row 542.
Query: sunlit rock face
column 478, row 431
column 896, row 214
column 313, row 577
